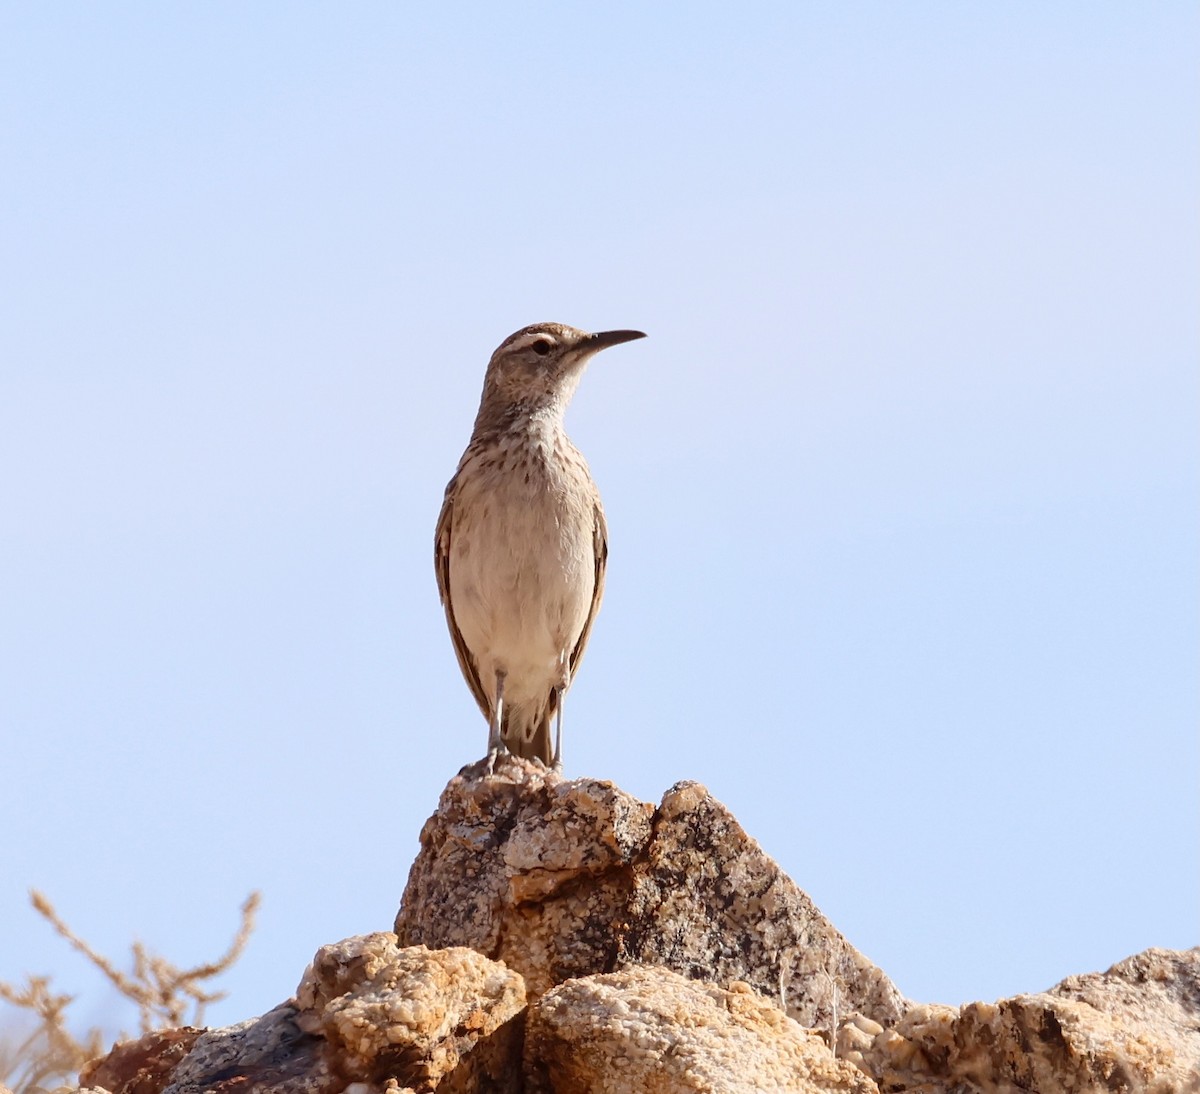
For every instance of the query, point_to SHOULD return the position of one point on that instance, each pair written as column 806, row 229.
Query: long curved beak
column 605, row 338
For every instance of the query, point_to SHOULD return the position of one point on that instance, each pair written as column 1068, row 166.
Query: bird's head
column 539, row 366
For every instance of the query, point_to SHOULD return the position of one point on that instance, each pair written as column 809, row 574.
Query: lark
column 521, row 543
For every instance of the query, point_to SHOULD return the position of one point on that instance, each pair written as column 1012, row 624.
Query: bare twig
column 50, row 1051
column 162, row 992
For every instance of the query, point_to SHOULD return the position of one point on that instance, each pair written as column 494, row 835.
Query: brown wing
column 441, row 565
column 600, row 549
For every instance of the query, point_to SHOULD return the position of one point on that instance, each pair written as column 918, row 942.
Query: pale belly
column 522, row 574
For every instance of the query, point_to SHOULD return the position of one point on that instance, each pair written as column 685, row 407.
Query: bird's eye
column 541, row 347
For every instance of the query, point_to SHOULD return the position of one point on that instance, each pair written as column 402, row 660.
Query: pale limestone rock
column 646, row 1029
column 1132, row 1030
column 564, row 879
column 414, row 1015
column 855, row 1036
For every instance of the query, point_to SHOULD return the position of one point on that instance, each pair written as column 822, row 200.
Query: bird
column 521, row 544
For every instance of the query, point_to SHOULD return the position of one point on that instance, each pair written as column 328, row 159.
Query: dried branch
column 162, row 992
column 50, row 1052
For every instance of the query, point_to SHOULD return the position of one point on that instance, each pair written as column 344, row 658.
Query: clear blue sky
column 902, row 488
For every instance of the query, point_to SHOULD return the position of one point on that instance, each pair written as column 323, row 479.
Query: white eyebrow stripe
column 527, row 340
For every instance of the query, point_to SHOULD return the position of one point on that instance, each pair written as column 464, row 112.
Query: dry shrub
column 46, row 1058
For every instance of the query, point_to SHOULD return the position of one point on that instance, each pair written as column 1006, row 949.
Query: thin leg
column 556, row 764
column 495, row 738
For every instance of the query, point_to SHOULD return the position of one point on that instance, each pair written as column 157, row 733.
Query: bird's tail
column 527, row 732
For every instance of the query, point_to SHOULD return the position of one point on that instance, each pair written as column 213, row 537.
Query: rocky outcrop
column 270, row 1053
column 142, row 1065
column 652, row 1029
column 1135, row 1028
column 563, row 879
column 562, row 937
column 414, row 1015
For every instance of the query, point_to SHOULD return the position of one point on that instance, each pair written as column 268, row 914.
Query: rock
column 710, row 903
column 415, row 1015
column 267, row 1054
column 367, row 1017
column 1132, row 1030
column 653, row 1030
column 654, row 944
column 565, row 879
column 526, row 868
column 142, row 1066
